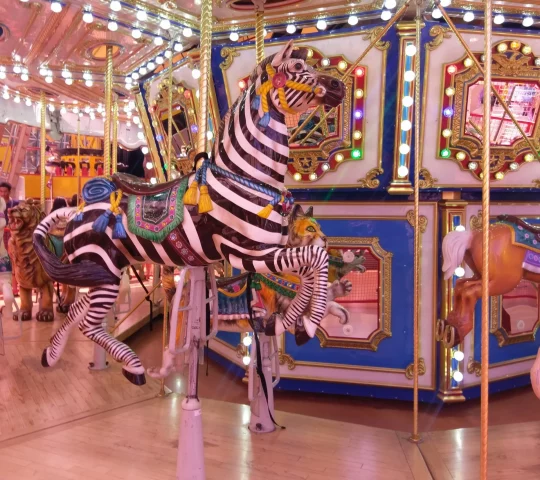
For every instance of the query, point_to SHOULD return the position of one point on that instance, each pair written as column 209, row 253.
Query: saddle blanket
column 523, row 237
column 153, row 217
column 532, row 261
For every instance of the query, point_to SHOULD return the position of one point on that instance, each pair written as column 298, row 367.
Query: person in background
column 5, row 193
column 74, row 200
column 59, row 202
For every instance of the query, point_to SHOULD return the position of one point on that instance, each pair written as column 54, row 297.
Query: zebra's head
column 290, row 85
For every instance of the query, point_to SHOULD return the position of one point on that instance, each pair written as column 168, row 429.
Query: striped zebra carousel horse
column 241, row 214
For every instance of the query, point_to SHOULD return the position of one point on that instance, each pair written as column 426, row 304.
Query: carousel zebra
column 241, row 214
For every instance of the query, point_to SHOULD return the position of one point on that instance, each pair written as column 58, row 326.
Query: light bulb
column 528, row 21
column 17, row 69
column 459, row 228
column 457, row 376
column 468, row 17
column 406, row 125
column 69, row 81
column 159, row 60
column 75, row 109
column 158, row 41
column 24, row 77
column 209, row 135
column 135, row 75
column 458, row 355
column 246, row 360
column 142, row 16
column 168, row 54
column 353, row 20
column 56, row 7
column 2, row 75
column 143, row 71
column 86, row 76
column 390, row 4
column 136, row 33
column 149, row 165
column 291, row 28
column 165, row 24
column 325, row 62
column 247, row 340
column 321, row 24
column 153, row 180
column 17, row 99
column 63, row 110
column 65, row 73
column 28, row 102
column 410, row 50
column 234, row 36
column 43, row 71
column 116, row 6
column 178, row 47
column 151, row 66
column 436, row 13
column 187, row 32
column 407, row 101
column 459, row 272
column 498, row 19
column 402, row 171
column 386, row 15
column 51, row 108
column 49, row 79
column 136, row 119
column 88, row 17
column 89, row 83
column 112, row 26
column 404, row 149
column 145, row 151
column 196, row 73
column 409, row 76
column 5, row 95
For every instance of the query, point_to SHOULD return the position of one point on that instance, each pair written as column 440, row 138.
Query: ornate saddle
column 133, row 185
column 521, row 223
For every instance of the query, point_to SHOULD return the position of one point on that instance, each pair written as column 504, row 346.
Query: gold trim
column 285, row 358
column 372, row 35
column 475, row 367
column 476, row 221
column 421, row 369
column 370, row 180
column 423, row 221
column 536, row 183
column 428, row 181
column 228, row 54
column 439, row 33
column 36, row 9
column 384, row 301
column 46, row 33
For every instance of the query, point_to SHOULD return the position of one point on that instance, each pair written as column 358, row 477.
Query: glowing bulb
column 87, row 76
column 69, row 81
column 407, row 101
column 151, row 66
column 246, row 360
column 528, row 21
column 136, row 33
column 24, row 77
column 145, row 151
column 321, row 24
column 49, row 79
column 56, row 7
column 209, row 135
column 342, row 65
column 168, row 54
column 459, row 228
column 89, row 83
column 458, row 355
column 116, row 6
column 187, row 32
column 297, row 176
column 514, row 166
column 234, row 36
column 135, row 76
column 445, row 3
column 158, row 41
column 404, row 149
column 43, row 71
column 5, row 95
column 499, row 19
column 242, row 84
column 353, row 20
column 390, row 4
column 51, row 108
column 313, row 176
column 402, row 171
column 178, row 47
column 149, row 165
column 17, row 69
column 63, row 110
column 446, row 133
column 291, row 28
column 457, row 376
column 406, row 125
column 165, row 24
column 386, row 15
column 112, row 26
column 468, row 17
column 153, row 180
column 17, row 99
column 461, row 156
column 75, row 109
column 325, row 167
column 459, row 272
column 409, row 76
column 472, row 166
column 325, row 62
column 142, row 16
column 357, row 135
column 450, row 91
column 529, row 157
column 247, row 340
column 88, row 17
column 140, row 135
column 28, row 102
column 410, row 50
column 339, row 157
column 468, row 62
column 436, row 13
column 196, row 73
column 143, row 71
column 451, row 69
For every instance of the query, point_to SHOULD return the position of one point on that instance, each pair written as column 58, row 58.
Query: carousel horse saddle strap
column 133, row 185
column 520, row 223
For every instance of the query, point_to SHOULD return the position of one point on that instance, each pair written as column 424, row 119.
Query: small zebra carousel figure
column 234, row 207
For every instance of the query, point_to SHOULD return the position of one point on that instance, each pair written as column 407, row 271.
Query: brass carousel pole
column 108, row 112
column 43, row 145
column 79, row 174
column 415, row 436
column 114, row 164
column 259, row 30
column 204, row 67
column 484, row 402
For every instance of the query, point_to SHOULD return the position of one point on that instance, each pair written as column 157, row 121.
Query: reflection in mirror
column 317, row 130
column 368, row 301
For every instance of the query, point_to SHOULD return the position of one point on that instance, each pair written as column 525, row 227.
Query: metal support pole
column 206, row 73
column 43, row 145
column 114, row 155
column 108, row 113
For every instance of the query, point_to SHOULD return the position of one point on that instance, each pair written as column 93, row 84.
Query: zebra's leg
column 101, row 301
column 76, row 313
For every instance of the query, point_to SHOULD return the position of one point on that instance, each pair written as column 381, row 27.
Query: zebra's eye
column 298, row 66
column 311, row 229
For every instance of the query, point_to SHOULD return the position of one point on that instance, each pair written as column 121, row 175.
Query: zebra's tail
column 87, row 274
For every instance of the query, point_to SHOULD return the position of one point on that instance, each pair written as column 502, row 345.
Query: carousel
column 331, row 207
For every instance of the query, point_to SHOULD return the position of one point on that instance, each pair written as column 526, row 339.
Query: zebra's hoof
column 301, row 337
column 311, row 327
column 135, row 378
column 44, row 362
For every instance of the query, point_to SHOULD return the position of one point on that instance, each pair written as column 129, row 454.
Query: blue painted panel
column 232, row 338
column 395, row 236
column 507, row 352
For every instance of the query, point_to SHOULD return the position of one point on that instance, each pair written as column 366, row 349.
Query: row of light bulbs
column 152, row 65
column 498, row 19
column 457, row 354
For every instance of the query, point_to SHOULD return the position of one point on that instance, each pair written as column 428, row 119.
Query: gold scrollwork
column 427, row 181
column 474, row 367
column 409, row 371
column 240, row 350
column 285, row 358
column 536, row 183
column 304, row 162
column 372, row 35
column 385, row 297
column 423, row 221
column 370, row 180
column 439, row 33
column 228, row 54
column 476, row 221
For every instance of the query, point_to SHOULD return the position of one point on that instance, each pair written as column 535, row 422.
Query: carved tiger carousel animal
column 23, row 219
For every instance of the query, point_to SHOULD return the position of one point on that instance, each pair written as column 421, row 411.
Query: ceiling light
column 234, row 36
column 88, row 17
column 116, row 6
column 159, row 59
column 5, row 95
column 89, row 83
column 17, row 99
column 112, row 26
column 165, row 24
column 178, row 47
column 528, row 21
column 66, row 73
column 63, row 110
column 196, row 73
column 135, row 75
column 445, row 3
column 410, row 50
column 168, row 53
column 187, row 32
column 321, row 24
column 56, row 7
column 87, row 76
column 24, row 77
column 436, row 13
column 142, row 16
column 143, row 71
column 158, row 41
column 43, row 71
column 151, row 66
column 75, row 109
column 391, row 4
column 28, row 102
column 51, row 108
column 17, row 69
column 291, row 28
column 353, row 20
column 386, row 15
column 69, row 81
column 136, row 33
column 468, row 17
column 499, row 19
column 49, row 79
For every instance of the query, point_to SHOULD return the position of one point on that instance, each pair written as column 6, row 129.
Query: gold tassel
column 205, row 202
column 266, row 211
column 190, row 197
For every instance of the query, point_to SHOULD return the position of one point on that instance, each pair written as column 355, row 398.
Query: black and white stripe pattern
column 231, row 231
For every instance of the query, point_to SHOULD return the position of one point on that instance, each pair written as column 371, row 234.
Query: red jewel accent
column 279, row 80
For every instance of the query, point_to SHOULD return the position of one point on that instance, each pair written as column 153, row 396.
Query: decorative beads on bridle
column 277, row 80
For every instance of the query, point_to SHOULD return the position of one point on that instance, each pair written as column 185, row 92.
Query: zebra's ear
column 283, row 54
column 309, row 212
